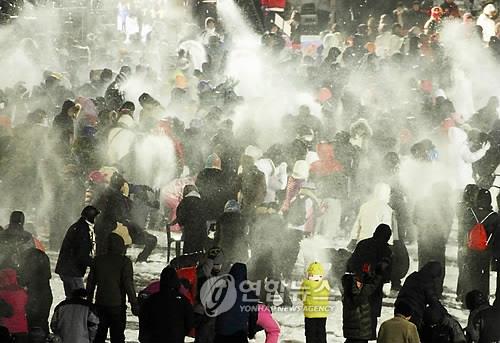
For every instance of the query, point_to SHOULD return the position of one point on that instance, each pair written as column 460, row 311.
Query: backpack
column 478, row 239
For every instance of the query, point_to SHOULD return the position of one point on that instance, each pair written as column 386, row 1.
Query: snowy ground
column 292, row 323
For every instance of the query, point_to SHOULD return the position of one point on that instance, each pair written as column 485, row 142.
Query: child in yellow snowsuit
column 314, row 293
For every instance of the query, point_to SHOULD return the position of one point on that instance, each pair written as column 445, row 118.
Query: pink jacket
column 267, row 322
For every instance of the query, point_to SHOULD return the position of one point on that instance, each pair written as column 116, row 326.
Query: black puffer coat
column 357, row 322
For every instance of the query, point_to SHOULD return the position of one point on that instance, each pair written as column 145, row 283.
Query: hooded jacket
column 75, row 321
column 315, row 292
column 166, row 316
column 113, row 276
column 356, row 308
column 13, row 242
column 192, row 217
column 487, row 23
column 373, row 213
column 419, row 290
column 237, row 319
column 17, row 298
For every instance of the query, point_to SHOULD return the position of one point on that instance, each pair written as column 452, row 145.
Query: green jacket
column 398, row 330
column 315, row 294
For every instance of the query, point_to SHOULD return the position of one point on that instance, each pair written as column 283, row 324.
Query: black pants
column 114, row 319
column 356, row 340
column 239, row 337
column 149, row 241
column 315, row 330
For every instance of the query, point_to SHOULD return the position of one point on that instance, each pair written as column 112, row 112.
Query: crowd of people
column 391, row 148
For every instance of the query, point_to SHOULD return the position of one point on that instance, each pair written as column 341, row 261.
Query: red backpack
column 478, row 238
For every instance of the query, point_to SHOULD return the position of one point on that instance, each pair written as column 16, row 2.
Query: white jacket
column 121, row 139
column 487, row 23
column 374, row 212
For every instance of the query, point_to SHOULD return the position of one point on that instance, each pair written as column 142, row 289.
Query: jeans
column 114, row 319
column 71, row 284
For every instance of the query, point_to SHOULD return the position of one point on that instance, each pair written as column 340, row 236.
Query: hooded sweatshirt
column 166, row 316
column 315, row 292
column 113, row 275
column 236, row 320
column 17, row 298
column 373, row 213
column 487, row 23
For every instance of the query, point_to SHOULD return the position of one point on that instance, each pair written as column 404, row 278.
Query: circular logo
column 218, row 295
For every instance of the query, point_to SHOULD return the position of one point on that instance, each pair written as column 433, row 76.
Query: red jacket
column 17, row 298
column 273, row 3
column 327, row 163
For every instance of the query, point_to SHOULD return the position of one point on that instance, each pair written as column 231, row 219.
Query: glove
column 135, row 309
column 486, row 146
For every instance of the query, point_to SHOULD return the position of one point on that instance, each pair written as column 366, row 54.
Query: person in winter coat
column 315, row 294
column 358, row 323
column 113, row 276
column 486, row 325
column 434, row 218
column 475, row 302
column 486, row 116
column 487, row 22
column 264, row 321
column 63, row 127
column 77, row 251
column 476, row 273
column 231, row 234
column 419, row 290
column 210, row 267
column 214, row 188
column 35, row 275
column 467, row 202
column 461, row 157
column 399, row 329
column 191, row 217
column 232, row 326
column 328, row 175
column 113, row 207
column 251, row 184
column 17, row 298
column 372, row 213
column 295, row 181
column 366, row 256
column 14, row 240
column 74, row 319
column 166, row 316
column 440, row 327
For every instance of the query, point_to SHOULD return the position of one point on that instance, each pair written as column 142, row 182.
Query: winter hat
column 316, row 268
column 383, row 233
column 483, row 200
column 67, row 105
column 254, row 152
column 403, row 309
column 434, row 314
column 90, row 213
column 232, row 206
column 169, row 280
column 489, row 10
column 213, row 161
column 300, row 170
column 17, row 218
column 474, row 299
column 432, row 269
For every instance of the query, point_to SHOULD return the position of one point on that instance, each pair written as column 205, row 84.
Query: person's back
column 420, row 290
column 487, row 324
column 399, row 329
column 166, row 316
column 17, row 298
column 74, row 319
column 109, row 273
column 440, row 327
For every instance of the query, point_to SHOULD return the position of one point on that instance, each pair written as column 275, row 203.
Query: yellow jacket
column 315, row 294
